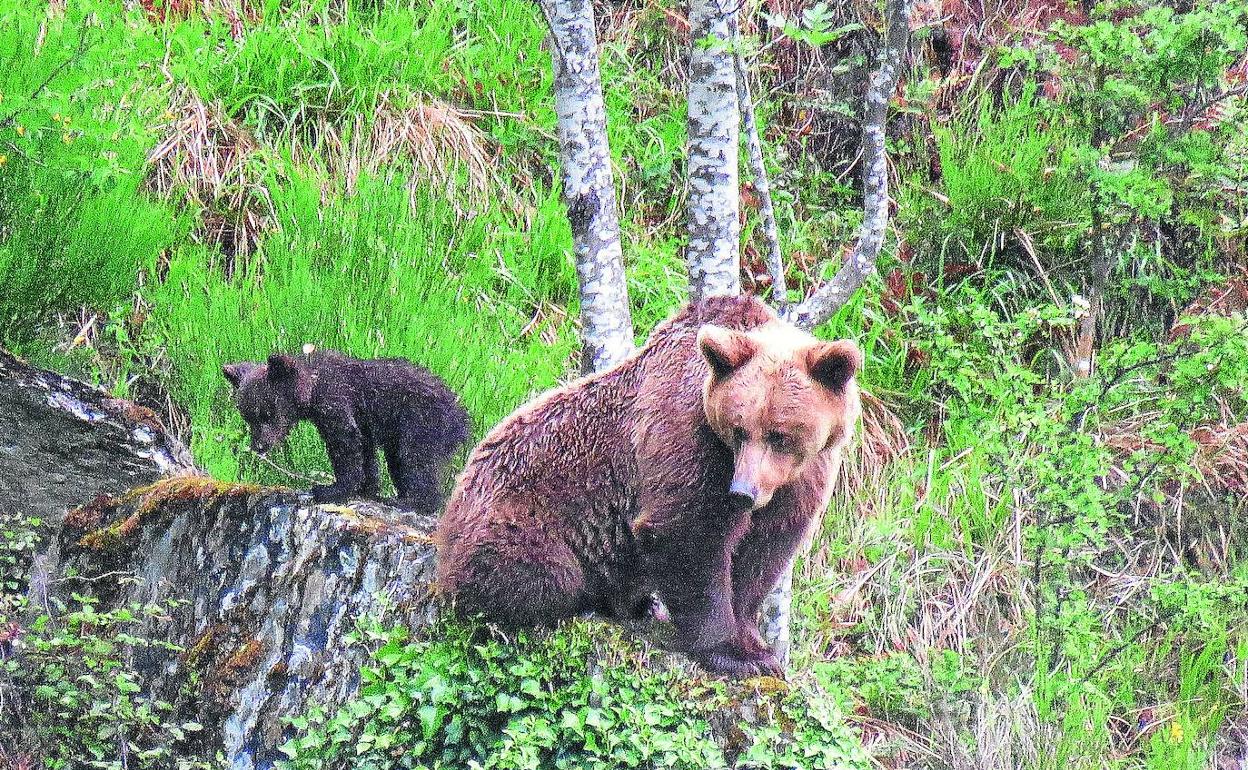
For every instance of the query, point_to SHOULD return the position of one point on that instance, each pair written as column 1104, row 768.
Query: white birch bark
column 588, row 186
column 777, row 608
column 859, row 265
column 775, row 261
column 776, row 613
column 713, row 253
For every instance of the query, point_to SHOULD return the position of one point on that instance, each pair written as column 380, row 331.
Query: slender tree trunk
column 778, row 606
column 775, row 261
column 588, row 186
column 713, row 253
column 820, row 306
column 776, row 614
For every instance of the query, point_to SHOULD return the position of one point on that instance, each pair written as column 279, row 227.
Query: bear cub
column 358, row 406
column 693, row 471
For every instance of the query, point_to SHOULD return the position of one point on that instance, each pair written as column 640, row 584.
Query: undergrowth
column 572, row 699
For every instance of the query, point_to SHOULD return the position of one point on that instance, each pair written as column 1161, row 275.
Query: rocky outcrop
column 261, row 589
column 259, row 585
column 63, row 441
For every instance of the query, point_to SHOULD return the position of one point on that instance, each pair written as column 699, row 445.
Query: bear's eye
column 738, row 436
column 778, row 441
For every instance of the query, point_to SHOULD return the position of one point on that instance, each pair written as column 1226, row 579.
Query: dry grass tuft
column 208, row 161
column 882, row 439
column 443, row 144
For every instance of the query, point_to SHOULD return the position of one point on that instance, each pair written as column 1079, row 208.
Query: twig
column 749, row 126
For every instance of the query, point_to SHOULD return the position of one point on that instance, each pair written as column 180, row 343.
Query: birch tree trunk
column 859, row 265
column 713, row 253
column 588, row 186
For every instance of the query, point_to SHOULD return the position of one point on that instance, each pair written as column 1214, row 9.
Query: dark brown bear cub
column 358, row 407
column 694, row 470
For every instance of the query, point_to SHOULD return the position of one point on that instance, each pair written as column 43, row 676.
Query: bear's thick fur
column 693, row 470
column 358, row 406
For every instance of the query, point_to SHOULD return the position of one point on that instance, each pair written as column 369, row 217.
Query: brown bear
column 358, row 406
column 691, row 471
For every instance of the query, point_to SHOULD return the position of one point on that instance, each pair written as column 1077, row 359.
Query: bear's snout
column 742, row 495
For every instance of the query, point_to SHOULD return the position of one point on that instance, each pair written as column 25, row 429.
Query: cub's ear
column 235, row 373
column 284, row 369
column 833, row 364
column 724, row 349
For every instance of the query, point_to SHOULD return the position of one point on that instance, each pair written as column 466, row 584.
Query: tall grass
column 73, row 151
column 1004, row 178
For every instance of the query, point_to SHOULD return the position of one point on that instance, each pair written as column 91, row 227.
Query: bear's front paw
column 329, row 493
column 740, row 664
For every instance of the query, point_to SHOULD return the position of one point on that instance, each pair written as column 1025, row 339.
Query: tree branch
column 859, row 265
column 749, row 126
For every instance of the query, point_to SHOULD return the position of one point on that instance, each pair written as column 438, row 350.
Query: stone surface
column 265, row 588
column 63, row 441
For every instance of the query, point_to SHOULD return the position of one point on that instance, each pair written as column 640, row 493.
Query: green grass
column 917, row 598
column 1003, row 169
column 72, row 154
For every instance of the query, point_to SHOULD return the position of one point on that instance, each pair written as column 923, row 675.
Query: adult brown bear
column 693, row 470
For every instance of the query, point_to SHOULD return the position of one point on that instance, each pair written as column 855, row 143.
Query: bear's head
column 271, row 397
column 777, row 397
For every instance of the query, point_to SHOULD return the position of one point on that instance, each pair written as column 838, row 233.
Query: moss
column 203, row 643
column 362, row 524
column 243, row 659
column 147, row 500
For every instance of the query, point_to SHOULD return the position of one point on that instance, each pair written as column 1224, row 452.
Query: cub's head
column 269, row 396
column 777, row 397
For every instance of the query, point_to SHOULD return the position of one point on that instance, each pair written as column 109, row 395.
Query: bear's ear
column 236, row 373
column 724, row 349
column 284, row 369
column 833, row 364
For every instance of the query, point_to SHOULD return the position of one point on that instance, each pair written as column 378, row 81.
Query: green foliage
column 1005, row 170
column 70, row 154
column 559, row 701
column 891, row 685
column 1011, row 531
column 71, row 700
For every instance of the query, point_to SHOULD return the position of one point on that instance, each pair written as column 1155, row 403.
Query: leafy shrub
column 561, row 701
column 69, row 699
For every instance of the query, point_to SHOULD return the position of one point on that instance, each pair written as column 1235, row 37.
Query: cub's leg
column 416, row 462
column 345, row 444
column 371, row 486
